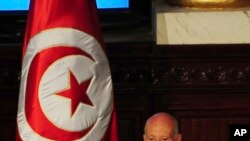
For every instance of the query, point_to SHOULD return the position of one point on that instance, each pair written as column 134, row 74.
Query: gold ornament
column 210, row 3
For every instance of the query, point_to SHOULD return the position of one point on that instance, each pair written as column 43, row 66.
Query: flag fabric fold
column 66, row 90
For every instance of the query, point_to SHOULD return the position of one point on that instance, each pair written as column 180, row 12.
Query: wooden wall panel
column 132, row 109
column 9, row 87
column 8, row 112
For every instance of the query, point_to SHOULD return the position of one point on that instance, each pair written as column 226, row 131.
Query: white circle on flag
column 57, row 108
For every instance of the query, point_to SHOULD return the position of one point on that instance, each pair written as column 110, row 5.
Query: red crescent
column 34, row 114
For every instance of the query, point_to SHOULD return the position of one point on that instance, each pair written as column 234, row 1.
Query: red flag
column 66, row 87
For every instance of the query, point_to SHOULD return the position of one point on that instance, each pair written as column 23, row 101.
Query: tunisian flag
column 66, row 89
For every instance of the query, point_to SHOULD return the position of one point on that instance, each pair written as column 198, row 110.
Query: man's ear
column 178, row 137
column 144, row 137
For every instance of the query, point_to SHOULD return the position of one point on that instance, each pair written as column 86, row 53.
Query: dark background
column 205, row 86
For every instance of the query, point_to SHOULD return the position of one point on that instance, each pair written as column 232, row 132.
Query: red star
column 77, row 93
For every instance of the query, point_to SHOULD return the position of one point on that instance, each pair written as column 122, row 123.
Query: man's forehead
column 161, row 127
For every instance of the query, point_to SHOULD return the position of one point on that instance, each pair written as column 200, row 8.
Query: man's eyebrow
column 150, row 135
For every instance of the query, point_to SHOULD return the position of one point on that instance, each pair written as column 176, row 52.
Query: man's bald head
column 163, row 119
column 161, row 125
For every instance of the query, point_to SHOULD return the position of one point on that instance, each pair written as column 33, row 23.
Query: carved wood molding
column 214, row 65
column 190, row 74
column 201, row 73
